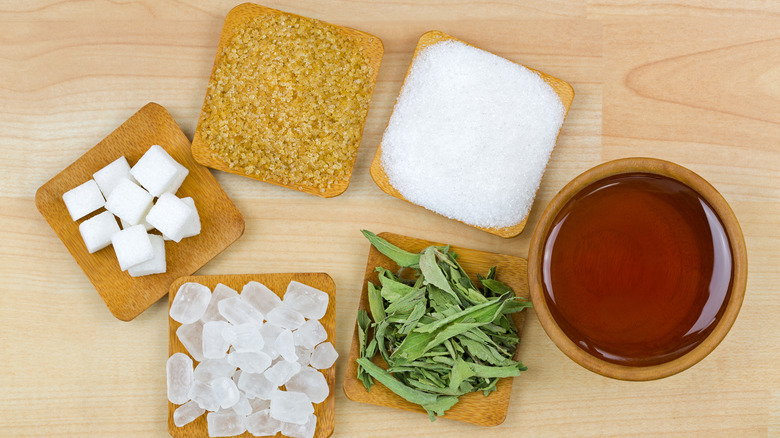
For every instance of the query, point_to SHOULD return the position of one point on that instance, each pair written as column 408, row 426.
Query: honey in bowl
column 637, row 269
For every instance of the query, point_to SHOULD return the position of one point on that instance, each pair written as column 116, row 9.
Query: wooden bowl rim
column 738, row 252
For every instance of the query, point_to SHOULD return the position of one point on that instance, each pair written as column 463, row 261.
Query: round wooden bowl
column 738, row 253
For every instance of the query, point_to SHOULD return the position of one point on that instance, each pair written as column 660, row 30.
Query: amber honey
column 637, row 269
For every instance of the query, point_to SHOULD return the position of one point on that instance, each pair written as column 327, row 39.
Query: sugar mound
column 470, row 135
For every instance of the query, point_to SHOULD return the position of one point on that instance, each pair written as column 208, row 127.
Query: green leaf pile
column 441, row 335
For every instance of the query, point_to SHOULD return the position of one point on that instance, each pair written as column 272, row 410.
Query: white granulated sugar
column 470, row 135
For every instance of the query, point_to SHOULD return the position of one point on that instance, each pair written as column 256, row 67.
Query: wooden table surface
column 691, row 81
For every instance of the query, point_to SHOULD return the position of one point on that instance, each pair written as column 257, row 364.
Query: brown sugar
column 287, row 101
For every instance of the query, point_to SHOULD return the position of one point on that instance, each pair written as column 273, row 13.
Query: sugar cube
column 129, row 202
column 179, row 371
column 155, row 265
column 312, row 303
column 262, row 298
column 83, row 200
column 324, row 356
column 170, row 215
column 181, row 175
column 260, row 423
column 143, row 222
column 187, row 413
column 132, row 246
column 97, row 231
column 108, row 177
column 190, row 301
column 291, row 407
column 157, row 171
column 193, row 226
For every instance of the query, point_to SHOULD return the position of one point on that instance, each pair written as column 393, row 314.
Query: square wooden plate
column 221, row 222
column 325, row 411
column 472, row 408
column 563, row 89
column 240, row 15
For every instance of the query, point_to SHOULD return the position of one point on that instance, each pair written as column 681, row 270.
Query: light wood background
column 696, row 82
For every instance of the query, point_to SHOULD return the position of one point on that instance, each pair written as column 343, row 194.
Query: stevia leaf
column 379, row 334
column 449, row 331
column 409, row 394
column 396, row 254
column 432, row 273
column 444, row 391
column 413, row 318
column 496, row 286
column 441, row 301
column 460, row 372
column 441, row 405
column 407, row 302
column 490, row 387
column 497, row 371
column 517, row 305
column 491, row 275
column 472, row 311
column 484, row 352
column 411, row 347
column 392, row 289
column 363, row 322
column 371, row 349
column 478, row 335
column 432, row 377
column 375, row 303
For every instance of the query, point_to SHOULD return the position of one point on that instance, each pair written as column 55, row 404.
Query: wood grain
column 221, row 222
column 472, row 408
column 324, row 411
column 72, row 71
column 561, row 88
column 240, row 16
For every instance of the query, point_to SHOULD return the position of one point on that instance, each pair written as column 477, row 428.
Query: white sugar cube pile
column 116, row 187
column 248, row 346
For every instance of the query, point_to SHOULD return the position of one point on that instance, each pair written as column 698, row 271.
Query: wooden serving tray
column 238, row 16
column 472, row 408
column 221, row 222
column 325, row 411
column 562, row 88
